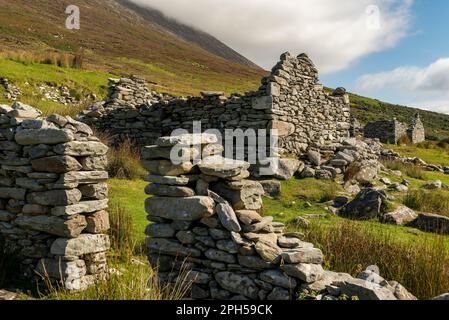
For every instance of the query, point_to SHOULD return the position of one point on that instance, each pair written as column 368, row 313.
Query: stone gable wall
column 390, row 131
column 290, row 99
column 53, row 197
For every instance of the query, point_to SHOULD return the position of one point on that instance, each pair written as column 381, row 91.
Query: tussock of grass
column 430, row 201
column 124, row 162
column 55, row 58
column 411, row 170
column 423, row 268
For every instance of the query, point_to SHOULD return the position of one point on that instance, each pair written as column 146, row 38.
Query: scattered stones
column 288, row 168
column 432, row 223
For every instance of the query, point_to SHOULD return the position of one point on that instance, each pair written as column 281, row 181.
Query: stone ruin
column 53, row 197
column 290, row 99
column 206, row 219
column 392, row 131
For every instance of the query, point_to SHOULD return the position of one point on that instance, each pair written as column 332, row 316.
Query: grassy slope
column 366, row 109
column 108, row 34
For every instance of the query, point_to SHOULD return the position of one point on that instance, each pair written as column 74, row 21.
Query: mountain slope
column 366, row 110
column 118, row 40
column 189, row 34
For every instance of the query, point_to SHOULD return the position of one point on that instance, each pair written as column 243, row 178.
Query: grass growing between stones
column 422, row 267
column 433, row 155
column 410, row 170
column 434, row 201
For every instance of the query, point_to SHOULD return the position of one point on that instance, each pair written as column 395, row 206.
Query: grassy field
column 432, row 155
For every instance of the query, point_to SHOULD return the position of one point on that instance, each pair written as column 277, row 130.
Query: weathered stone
column 227, row 217
column 272, row 187
column 21, row 110
column 249, row 198
column 303, row 255
column 278, row 279
column 432, row 223
column 288, row 168
column 237, row 283
column 84, row 244
column 279, row 294
column 402, row 215
column 218, row 166
column 186, row 237
column 368, row 204
column 167, row 168
column 284, row 129
column 365, row 290
column 12, row 193
column 70, row 228
column 187, row 140
column 98, row 222
column 262, row 103
column 43, row 136
column 157, row 152
column 218, row 255
column 82, row 207
column 254, row 262
column 171, row 247
column 314, row 157
column 94, row 163
column 269, row 251
column 432, row 185
column 55, row 197
column 98, row 191
column 56, row 164
column 172, row 181
column 81, row 149
column 6, row 216
column 248, row 217
column 163, row 190
column 188, row 209
column 305, row 272
column 258, row 226
column 288, row 242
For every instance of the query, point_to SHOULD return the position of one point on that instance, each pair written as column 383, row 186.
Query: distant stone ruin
column 392, row 131
column 53, row 197
column 290, row 99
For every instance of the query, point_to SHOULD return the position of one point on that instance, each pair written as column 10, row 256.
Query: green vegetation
column 366, row 110
column 420, row 266
column 430, row 201
column 124, row 162
column 429, row 152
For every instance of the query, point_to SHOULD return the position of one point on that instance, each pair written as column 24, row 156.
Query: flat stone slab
column 168, row 180
column 82, row 207
column 186, row 209
column 303, row 255
column 187, row 140
column 43, row 136
column 84, row 244
column 221, row 167
column 305, row 272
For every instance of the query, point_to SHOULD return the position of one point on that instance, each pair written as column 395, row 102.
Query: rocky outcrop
column 53, row 196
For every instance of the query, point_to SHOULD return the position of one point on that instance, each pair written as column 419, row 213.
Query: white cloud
column 334, row 33
column 426, row 87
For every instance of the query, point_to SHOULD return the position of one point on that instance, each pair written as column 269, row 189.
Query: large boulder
column 365, row 290
column 432, row 223
column 364, row 172
column 368, row 204
column 288, row 168
column 401, row 216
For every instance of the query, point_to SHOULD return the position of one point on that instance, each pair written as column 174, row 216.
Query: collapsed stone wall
column 53, row 197
column 290, row 99
column 207, row 219
column 391, row 131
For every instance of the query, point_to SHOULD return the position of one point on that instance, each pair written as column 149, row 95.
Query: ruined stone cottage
column 392, row 131
column 290, row 99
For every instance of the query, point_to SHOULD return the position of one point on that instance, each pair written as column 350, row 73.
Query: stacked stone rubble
column 53, row 196
column 206, row 218
column 391, row 131
column 290, row 100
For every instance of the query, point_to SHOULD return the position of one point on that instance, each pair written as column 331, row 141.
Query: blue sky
column 426, row 42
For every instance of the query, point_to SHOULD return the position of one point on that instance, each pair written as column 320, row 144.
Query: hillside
column 115, row 39
column 366, row 110
column 189, row 34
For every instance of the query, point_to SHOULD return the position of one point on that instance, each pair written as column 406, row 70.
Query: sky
column 393, row 50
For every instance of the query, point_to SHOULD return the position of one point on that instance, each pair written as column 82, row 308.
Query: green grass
column 436, row 156
column 130, row 195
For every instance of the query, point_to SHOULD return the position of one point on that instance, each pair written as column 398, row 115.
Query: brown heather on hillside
column 117, row 40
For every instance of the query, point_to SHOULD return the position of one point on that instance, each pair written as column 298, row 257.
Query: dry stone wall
column 53, row 197
column 206, row 219
column 290, row 99
column 391, row 131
